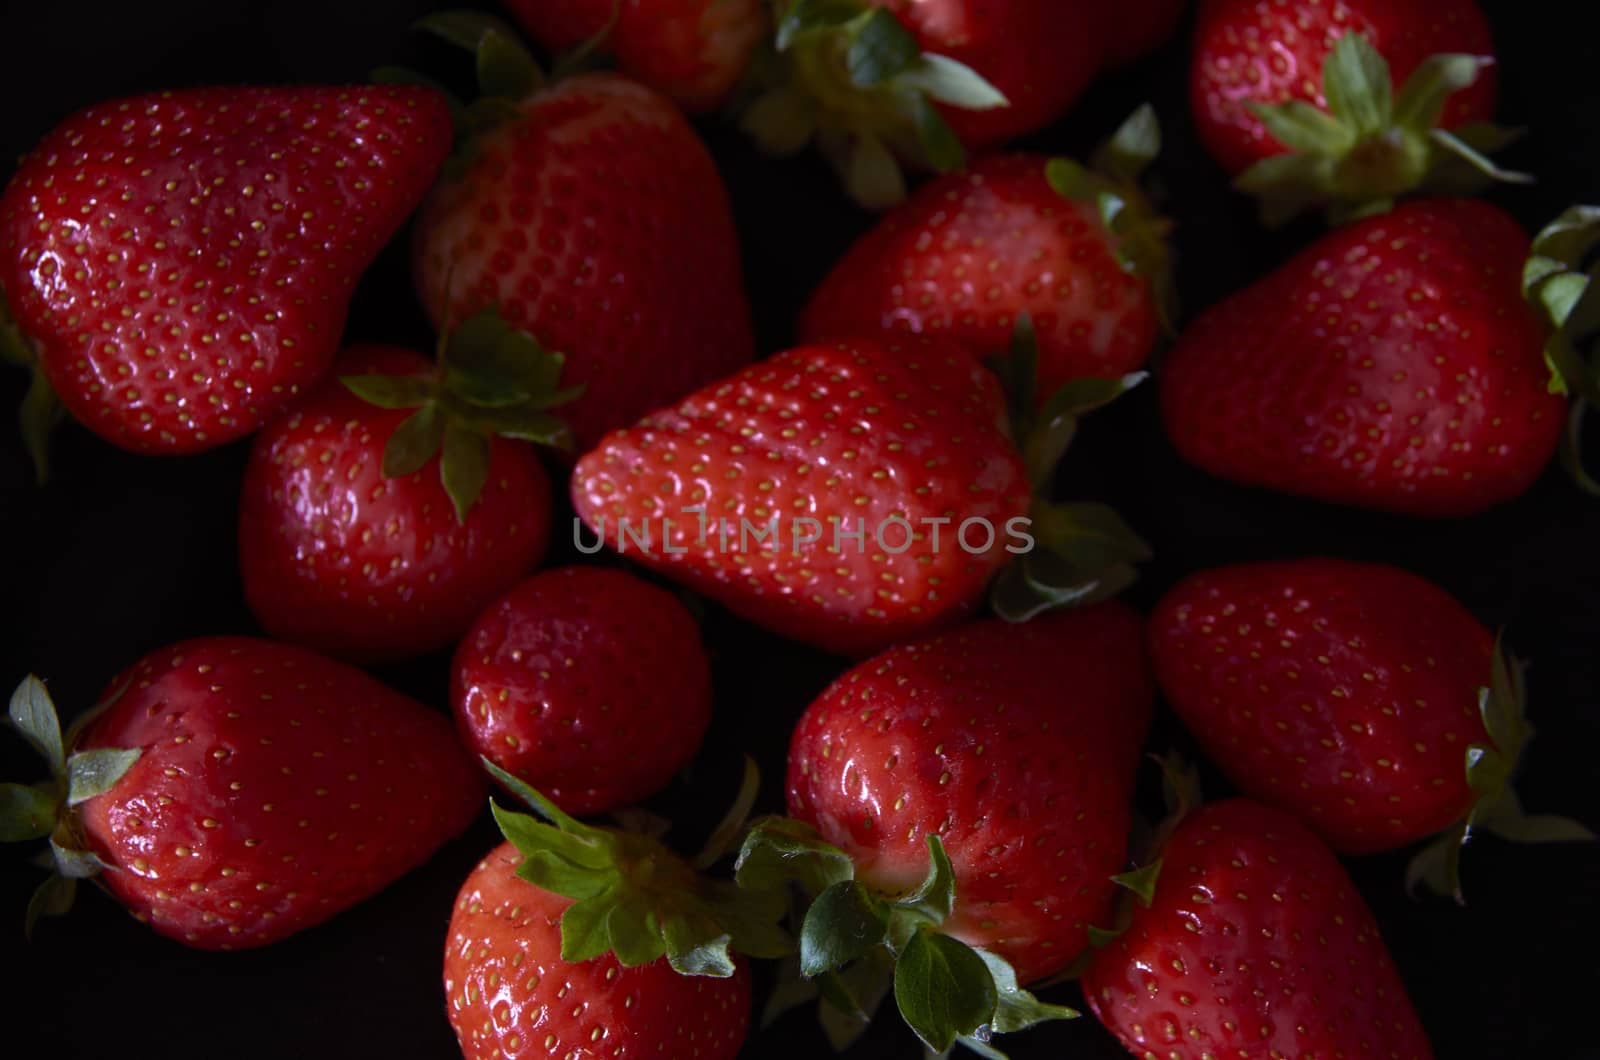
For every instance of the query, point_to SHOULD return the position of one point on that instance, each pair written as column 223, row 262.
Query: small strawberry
column 970, row 747
column 1361, row 698
column 1392, row 364
column 181, row 262
column 586, row 683
column 1348, row 103
column 591, row 215
column 1251, row 940
column 231, row 792
column 693, row 51
column 1076, row 250
column 389, row 507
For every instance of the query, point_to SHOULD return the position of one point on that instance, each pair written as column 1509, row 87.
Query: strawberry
column 969, row 748
column 231, row 792
column 693, row 51
column 1251, row 941
column 509, row 990
column 358, row 538
column 969, row 253
column 1392, row 364
column 1360, row 697
column 181, row 262
column 1345, row 102
column 587, row 683
column 593, row 217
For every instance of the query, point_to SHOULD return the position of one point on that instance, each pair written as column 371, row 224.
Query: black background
column 120, row 555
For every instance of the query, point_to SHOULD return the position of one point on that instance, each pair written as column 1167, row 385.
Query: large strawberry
column 1250, row 940
column 1346, row 101
column 181, row 262
column 1007, row 751
column 1358, row 696
column 231, row 792
column 586, row 683
column 388, row 508
column 589, row 212
column 694, row 51
column 1392, row 364
column 1077, row 250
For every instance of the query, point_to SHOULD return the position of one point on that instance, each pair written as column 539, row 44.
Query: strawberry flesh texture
column 1344, row 692
column 1268, row 51
column 509, row 994
column 598, row 223
column 1017, row 745
column 971, row 251
column 184, row 260
column 367, row 568
column 275, row 789
column 1256, row 944
column 1393, row 364
column 867, row 430
column 588, row 683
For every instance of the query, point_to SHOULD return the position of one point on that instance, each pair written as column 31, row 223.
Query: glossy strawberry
column 182, row 261
column 594, row 219
column 587, row 683
column 508, row 991
column 1254, row 943
column 749, row 490
column 368, row 566
column 693, row 51
column 1392, row 364
column 232, row 791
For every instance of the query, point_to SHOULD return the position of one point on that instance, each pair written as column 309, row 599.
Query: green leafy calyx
column 1558, row 282
column 40, row 410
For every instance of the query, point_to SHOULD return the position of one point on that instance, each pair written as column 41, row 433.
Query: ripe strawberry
column 588, row 684
column 232, row 792
column 694, row 51
column 593, row 217
column 509, row 989
column 355, row 540
column 745, row 490
column 182, row 261
column 1392, row 364
column 1079, row 252
column 1253, row 942
column 1351, row 694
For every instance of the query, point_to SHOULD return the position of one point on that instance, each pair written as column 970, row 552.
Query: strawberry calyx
column 857, row 945
column 1084, row 552
column 30, row 812
column 635, row 898
column 1371, row 145
column 491, row 381
column 852, row 78
column 1490, row 768
column 40, row 411
column 1558, row 281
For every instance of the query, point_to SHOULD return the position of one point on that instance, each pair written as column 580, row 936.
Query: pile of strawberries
column 961, row 831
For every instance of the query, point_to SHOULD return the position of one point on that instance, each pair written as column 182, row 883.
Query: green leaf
column 1135, row 144
column 538, row 802
column 1458, row 148
column 37, row 417
column 805, row 16
column 1089, row 536
column 1141, row 881
column 1356, row 82
column 635, row 936
column 697, row 945
column 464, row 29
column 781, row 121
column 872, row 175
column 531, row 836
column 53, row 897
column 74, row 863
column 584, row 935
column 1303, row 127
column 464, row 467
column 34, row 716
column 727, row 831
column 1072, row 180
column 525, row 423
column 852, row 996
column 935, row 897
column 953, row 83
column 91, row 773
column 551, row 871
column 779, row 850
column 1100, row 937
column 1016, row 1009
column 26, row 812
column 841, row 926
column 943, row 988
column 1437, row 865
column 882, row 48
column 1572, row 450
column 1033, row 584
column 391, row 391
column 1422, row 98
column 941, row 148
column 505, row 68
column 414, row 442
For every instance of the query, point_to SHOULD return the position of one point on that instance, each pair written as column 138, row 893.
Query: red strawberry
column 694, row 51
column 1392, row 364
column 971, row 252
column 232, row 791
column 182, row 261
column 356, row 540
column 587, row 683
column 594, row 219
column 1253, row 943
column 889, row 437
column 1351, row 694
column 509, row 991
